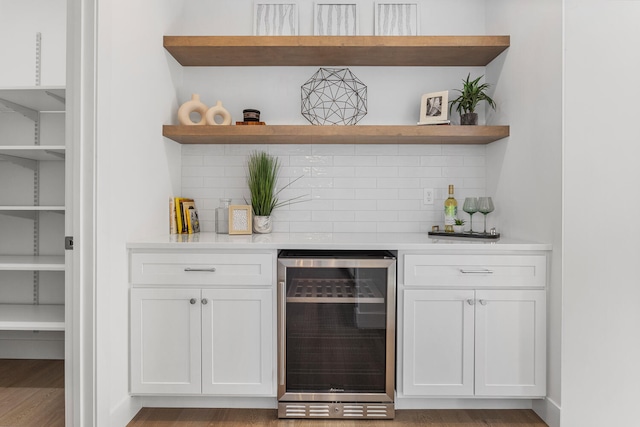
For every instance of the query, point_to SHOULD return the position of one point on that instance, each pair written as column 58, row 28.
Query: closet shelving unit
column 30, row 102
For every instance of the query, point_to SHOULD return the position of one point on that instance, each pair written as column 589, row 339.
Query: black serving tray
column 465, row 235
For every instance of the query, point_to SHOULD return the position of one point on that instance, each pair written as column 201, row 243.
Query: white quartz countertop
column 389, row 241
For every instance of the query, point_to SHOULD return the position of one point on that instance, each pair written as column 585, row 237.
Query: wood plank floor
column 31, row 393
column 170, row 417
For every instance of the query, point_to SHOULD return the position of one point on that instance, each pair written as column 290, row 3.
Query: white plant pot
column 458, row 228
column 262, row 224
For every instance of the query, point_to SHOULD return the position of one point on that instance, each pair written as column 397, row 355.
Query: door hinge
column 68, row 243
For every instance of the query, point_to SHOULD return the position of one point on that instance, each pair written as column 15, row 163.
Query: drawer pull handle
column 481, row 271
column 210, row 269
column 471, row 301
column 483, row 302
column 192, row 301
column 204, row 301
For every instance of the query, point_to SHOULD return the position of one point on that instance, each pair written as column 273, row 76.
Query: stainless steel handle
column 483, row 302
column 479, row 271
column 209, row 270
column 204, row 301
column 192, row 300
column 283, row 325
column 471, row 301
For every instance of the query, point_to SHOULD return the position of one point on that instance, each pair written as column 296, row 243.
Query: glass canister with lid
column 222, row 217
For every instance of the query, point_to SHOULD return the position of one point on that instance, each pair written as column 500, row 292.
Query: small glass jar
column 222, row 217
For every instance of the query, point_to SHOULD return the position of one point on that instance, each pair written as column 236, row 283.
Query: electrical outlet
column 428, row 196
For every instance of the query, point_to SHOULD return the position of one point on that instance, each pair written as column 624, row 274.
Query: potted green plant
column 263, row 170
column 458, row 227
column 471, row 94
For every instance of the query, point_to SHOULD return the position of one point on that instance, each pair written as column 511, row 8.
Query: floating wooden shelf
column 308, row 134
column 335, row 50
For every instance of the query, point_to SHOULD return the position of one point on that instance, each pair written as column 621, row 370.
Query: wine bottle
column 450, row 211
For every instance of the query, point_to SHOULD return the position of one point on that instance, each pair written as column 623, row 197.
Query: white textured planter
column 262, row 224
column 458, row 228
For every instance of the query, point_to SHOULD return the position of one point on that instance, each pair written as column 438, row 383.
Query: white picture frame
column 434, row 108
column 395, row 18
column 275, row 18
column 335, row 18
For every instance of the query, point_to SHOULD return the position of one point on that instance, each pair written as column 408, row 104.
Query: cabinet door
column 237, row 342
column 165, row 341
column 438, row 343
column 510, row 343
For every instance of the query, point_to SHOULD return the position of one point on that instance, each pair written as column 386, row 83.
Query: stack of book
column 183, row 216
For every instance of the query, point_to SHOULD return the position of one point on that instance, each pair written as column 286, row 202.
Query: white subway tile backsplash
column 355, row 161
column 398, row 183
column 376, row 171
column 377, row 194
column 355, row 227
column 333, row 193
column 419, row 150
column 345, row 188
column 377, row 150
column 332, row 171
column 354, row 182
column 333, row 150
column 402, row 161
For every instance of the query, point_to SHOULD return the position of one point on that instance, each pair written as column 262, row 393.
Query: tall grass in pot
column 263, row 170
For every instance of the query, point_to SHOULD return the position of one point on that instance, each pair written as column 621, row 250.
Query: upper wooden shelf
column 335, row 50
column 308, row 134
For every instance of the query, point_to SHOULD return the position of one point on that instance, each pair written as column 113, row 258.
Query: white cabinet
column 32, row 207
column 211, row 339
column 461, row 340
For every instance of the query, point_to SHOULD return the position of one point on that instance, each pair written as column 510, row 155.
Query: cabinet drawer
column 201, row 269
column 475, row 270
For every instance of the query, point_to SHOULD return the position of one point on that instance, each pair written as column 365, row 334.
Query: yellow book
column 190, row 216
column 181, row 220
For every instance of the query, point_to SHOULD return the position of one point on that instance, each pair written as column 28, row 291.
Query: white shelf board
column 32, row 263
column 32, row 208
column 36, row 152
column 35, row 97
column 27, row 317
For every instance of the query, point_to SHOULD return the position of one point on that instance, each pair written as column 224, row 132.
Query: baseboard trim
column 31, row 348
column 548, row 410
column 452, row 403
column 124, row 412
column 209, row 402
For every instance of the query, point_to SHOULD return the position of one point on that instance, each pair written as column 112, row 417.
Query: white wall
column 601, row 321
column 524, row 171
column 136, row 172
column 141, row 86
column 366, row 188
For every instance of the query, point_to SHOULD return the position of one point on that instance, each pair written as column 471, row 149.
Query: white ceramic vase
column 191, row 106
column 218, row 111
column 262, row 224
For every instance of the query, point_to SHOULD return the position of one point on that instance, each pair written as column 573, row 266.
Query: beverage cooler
column 336, row 334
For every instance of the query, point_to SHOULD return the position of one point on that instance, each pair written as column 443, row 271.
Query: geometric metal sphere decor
column 334, row 96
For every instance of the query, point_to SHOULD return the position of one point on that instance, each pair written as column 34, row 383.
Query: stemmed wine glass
column 470, row 206
column 485, row 206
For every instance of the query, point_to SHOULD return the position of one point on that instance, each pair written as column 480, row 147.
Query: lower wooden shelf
column 28, row 317
column 309, row 134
